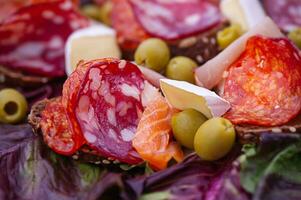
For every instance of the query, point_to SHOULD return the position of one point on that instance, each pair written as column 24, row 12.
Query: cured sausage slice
column 32, row 39
column 264, row 85
column 129, row 31
column 70, row 92
column 286, row 13
column 176, row 19
column 56, row 130
column 108, row 108
column 8, row 7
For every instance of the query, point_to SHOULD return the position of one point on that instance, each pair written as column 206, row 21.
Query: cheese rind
column 94, row 42
column 246, row 13
column 183, row 95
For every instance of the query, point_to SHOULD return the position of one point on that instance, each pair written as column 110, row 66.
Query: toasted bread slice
column 200, row 48
column 246, row 134
column 249, row 133
column 18, row 78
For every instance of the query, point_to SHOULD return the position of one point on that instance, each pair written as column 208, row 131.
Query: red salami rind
column 70, row 92
column 32, row 39
column 264, row 85
column 56, row 130
column 108, row 108
column 172, row 20
column 129, row 32
column 286, row 13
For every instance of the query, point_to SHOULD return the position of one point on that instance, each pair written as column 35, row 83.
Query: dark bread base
column 200, row 48
column 245, row 133
column 16, row 78
column 249, row 133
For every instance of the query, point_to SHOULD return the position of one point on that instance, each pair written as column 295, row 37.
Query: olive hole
column 11, row 108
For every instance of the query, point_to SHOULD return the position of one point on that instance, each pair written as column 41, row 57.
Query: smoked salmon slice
column 153, row 139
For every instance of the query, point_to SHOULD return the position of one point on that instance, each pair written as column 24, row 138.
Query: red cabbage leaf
column 30, row 170
column 272, row 170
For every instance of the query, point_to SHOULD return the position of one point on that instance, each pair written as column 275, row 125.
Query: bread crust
column 17, row 78
column 200, row 48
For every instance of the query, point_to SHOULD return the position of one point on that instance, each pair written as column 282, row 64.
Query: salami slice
column 71, row 89
column 264, row 85
column 129, row 31
column 8, row 7
column 286, row 13
column 106, row 106
column 32, row 39
column 176, row 19
column 56, row 130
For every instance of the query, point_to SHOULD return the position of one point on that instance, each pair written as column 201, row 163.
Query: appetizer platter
column 150, row 99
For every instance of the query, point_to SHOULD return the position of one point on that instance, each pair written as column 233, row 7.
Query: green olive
column 214, row 139
column 295, row 36
column 181, row 68
column 185, row 124
column 92, row 11
column 105, row 11
column 153, row 53
column 226, row 36
column 13, row 106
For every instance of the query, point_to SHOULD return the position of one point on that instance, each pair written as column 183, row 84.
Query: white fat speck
column 90, row 137
column 95, row 76
column 111, row 116
column 127, row 135
column 109, row 98
column 104, row 90
column 112, row 134
column 205, row 39
column 47, row 14
column 225, row 74
column 30, row 50
column 56, row 42
column 149, row 93
column 156, row 11
column 74, row 25
column 122, row 108
column 58, row 20
column 292, row 129
column 192, row 19
column 199, row 58
column 276, row 130
column 106, row 162
column 296, row 56
column 83, row 103
column 90, row 114
column 130, row 91
column 122, row 64
column 67, row 5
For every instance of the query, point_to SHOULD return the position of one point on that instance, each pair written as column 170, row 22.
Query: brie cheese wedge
column 246, row 13
column 94, row 42
column 183, row 95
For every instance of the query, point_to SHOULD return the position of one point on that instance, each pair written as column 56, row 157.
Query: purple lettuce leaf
column 30, row 170
column 193, row 179
column 272, row 170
